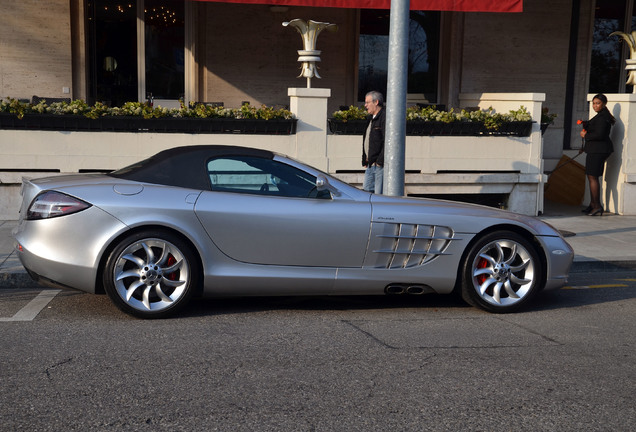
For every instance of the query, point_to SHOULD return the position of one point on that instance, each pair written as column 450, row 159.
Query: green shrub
column 139, row 109
column 352, row 113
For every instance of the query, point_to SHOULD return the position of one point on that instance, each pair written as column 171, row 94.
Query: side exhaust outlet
column 395, row 289
column 415, row 290
column 399, row 289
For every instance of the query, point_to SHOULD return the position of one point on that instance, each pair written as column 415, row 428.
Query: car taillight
column 52, row 204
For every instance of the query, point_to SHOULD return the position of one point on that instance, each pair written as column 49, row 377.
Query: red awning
column 439, row 5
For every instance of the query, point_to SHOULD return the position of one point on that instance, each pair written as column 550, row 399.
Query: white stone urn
column 309, row 55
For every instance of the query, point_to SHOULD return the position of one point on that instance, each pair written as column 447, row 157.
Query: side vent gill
column 410, row 245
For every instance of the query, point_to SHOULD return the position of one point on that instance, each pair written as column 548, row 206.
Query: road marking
column 34, row 307
column 627, row 280
column 596, row 286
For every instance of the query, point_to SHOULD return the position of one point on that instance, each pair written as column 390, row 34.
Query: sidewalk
column 12, row 274
column 600, row 243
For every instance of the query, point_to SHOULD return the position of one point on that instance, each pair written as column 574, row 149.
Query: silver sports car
column 232, row 221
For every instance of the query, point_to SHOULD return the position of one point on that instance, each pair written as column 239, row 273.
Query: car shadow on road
column 566, row 298
column 569, row 298
column 244, row 305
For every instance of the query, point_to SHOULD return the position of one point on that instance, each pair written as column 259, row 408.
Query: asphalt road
column 71, row 361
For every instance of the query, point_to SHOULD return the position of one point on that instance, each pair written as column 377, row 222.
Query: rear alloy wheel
column 151, row 274
column 501, row 273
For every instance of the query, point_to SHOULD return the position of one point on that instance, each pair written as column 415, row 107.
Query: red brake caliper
column 482, row 264
column 171, row 260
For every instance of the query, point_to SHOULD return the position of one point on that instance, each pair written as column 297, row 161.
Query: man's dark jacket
column 597, row 138
column 376, row 141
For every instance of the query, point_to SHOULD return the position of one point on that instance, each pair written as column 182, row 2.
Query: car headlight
column 50, row 204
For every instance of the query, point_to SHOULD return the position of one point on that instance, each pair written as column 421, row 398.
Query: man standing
column 373, row 143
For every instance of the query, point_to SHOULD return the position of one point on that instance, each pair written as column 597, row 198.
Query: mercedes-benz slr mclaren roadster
column 232, row 221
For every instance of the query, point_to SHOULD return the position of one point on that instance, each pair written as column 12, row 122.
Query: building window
column 607, row 72
column 112, row 51
column 423, row 57
column 136, row 50
column 164, row 42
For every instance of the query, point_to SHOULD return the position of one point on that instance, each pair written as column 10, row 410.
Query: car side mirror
column 322, row 184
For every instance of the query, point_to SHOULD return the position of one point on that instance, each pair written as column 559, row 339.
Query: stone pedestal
column 309, row 105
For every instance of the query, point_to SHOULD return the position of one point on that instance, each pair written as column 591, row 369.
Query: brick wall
column 250, row 56
column 35, row 53
column 528, row 52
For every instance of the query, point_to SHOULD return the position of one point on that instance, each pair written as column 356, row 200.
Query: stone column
column 618, row 194
column 309, row 105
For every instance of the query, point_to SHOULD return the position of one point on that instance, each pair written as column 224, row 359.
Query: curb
column 21, row 279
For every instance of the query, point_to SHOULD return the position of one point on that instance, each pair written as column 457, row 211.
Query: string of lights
column 157, row 15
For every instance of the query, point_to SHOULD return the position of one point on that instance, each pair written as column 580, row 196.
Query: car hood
column 463, row 217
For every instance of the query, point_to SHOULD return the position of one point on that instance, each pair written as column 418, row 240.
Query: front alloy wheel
column 150, row 275
column 501, row 273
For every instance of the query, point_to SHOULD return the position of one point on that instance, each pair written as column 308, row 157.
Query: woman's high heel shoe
column 597, row 212
column 587, row 209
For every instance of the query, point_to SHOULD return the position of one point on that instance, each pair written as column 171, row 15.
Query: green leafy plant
column 14, row 106
column 76, row 107
column 139, row 109
column 352, row 113
column 547, row 117
column 199, row 110
column 431, row 113
column 489, row 117
column 97, row 110
column 271, row 113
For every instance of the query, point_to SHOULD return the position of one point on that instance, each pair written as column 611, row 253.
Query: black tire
column 151, row 274
column 501, row 272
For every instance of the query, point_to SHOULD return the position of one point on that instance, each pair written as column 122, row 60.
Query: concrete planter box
column 351, row 127
column 425, row 128
column 519, row 129
column 429, row 128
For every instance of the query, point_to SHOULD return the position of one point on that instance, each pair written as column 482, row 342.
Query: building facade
column 165, row 51
column 226, row 52
column 117, row 51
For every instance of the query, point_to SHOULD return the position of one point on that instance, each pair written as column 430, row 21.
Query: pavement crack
column 60, row 363
column 531, row 331
column 370, row 335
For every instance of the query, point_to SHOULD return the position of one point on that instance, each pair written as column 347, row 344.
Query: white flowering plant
column 489, row 117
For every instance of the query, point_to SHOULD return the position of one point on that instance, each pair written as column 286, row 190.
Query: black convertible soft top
column 183, row 166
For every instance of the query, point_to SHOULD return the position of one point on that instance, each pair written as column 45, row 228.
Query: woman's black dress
column 598, row 144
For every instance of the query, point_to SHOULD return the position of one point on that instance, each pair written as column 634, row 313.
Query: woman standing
column 598, row 147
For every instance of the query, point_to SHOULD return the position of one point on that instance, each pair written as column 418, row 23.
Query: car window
column 247, row 174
